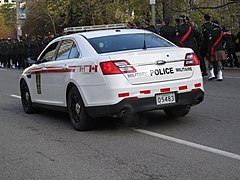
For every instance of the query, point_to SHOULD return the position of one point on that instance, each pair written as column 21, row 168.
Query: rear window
column 125, row 42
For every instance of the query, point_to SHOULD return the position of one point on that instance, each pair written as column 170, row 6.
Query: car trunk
column 166, row 64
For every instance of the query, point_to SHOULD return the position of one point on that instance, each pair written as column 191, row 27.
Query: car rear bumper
column 134, row 105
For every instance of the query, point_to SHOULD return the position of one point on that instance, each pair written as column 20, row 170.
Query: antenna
column 144, row 41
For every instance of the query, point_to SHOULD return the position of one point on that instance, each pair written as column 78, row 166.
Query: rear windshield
column 125, row 42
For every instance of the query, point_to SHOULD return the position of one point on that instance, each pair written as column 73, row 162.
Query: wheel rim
column 76, row 109
column 25, row 97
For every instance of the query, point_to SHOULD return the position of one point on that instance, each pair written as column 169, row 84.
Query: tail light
column 116, row 67
column 191, row 60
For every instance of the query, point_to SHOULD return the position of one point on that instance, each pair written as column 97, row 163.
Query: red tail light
column 116, row 67
column 191, row 60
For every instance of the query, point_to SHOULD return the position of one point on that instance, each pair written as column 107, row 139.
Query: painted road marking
column 180, row 141
column 16, row 96
column 190, row 144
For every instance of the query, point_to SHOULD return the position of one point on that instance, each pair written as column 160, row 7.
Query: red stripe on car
column 53, row 71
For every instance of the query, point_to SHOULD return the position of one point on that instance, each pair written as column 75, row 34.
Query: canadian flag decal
column 93, row 68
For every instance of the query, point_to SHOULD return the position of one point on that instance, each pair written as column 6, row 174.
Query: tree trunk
column 167, row 9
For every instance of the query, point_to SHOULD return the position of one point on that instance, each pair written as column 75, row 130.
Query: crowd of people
column 13, row 52
column 215, row 44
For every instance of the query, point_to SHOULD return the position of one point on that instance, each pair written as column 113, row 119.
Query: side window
column 64, row 50
column 74, row 52
column 49, row 53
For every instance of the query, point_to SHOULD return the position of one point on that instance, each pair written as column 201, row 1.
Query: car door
column 59, row 71
column 39, row 73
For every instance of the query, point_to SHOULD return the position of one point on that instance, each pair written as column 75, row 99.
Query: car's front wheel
column 177, row 112
column 26, row 98
column 77, row 112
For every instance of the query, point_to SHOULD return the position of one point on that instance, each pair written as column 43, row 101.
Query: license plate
column 166, row 98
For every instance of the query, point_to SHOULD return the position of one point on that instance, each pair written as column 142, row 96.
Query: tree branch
column 193, row 7
column 215, row 7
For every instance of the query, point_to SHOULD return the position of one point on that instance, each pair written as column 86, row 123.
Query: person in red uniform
column 217, row 53
column 186, row 36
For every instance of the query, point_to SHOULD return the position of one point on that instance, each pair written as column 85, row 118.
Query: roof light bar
column 94, row 28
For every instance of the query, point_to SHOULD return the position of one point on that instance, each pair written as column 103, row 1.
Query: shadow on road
column 146, row 120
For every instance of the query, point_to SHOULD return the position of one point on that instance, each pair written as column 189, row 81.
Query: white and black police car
column 107, row 70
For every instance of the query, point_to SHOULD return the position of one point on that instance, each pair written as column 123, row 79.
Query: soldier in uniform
column 131, row 25
column 177, row 22
column 231, row 47
column 207, row 34
column 41, row 44
column 186, row 36
column 13, row 53
column 238, row 42
column 34, row 49
column 5, row 53
column 216, row 51
column 168, row 31
column 27, row 44
column 46, row 40
column 21, row 53
column 17, row 63
column 148, row 26
column 207, row 28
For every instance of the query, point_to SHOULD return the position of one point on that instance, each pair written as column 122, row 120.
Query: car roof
column 102, row 33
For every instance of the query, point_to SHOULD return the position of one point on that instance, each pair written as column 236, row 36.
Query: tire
column 26, row 98
column 177, row 112
column 77, row 111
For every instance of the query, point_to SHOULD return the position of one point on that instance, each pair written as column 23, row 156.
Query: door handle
column 65, row 67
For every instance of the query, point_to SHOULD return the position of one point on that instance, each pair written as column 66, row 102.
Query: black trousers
column 232, row 58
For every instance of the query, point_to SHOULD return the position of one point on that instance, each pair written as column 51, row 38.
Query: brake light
column 116, row 67
column 191, row 60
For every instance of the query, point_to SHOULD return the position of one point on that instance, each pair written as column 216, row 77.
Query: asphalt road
column 203, row 145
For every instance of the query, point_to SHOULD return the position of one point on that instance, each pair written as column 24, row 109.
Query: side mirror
column 31, row 60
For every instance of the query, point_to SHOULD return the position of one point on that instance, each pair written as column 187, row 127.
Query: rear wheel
column 177, row 112
column 26, row 98
column 77, row 112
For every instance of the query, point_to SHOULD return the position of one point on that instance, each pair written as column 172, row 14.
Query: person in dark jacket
column 207, row 28
column 148, row 26
column 186, row 36
column 237, row 41
column 217, row 53
column 230, row 48
column 158, row 25
column 13, row 54
column 5, row 53
column 21, row 53
column 168, row 31
column 34, row 49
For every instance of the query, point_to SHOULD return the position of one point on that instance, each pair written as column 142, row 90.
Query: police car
column 107, row 70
